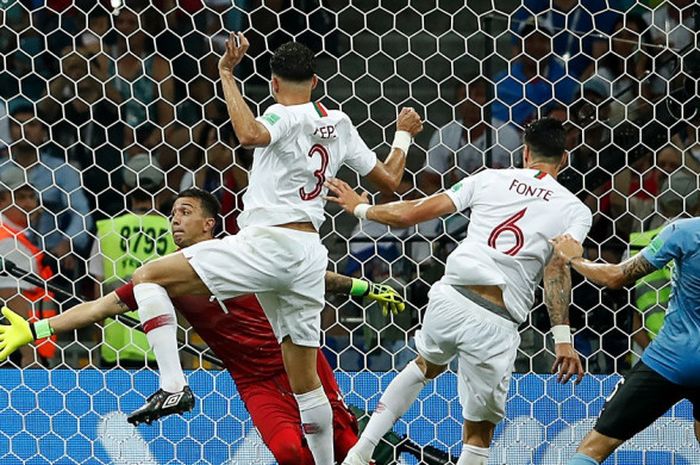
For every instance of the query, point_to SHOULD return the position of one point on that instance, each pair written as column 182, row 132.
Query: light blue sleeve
column 667, row 246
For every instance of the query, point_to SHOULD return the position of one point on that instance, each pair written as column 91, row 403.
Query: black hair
column 294, row 62
column 546, row 138
column 210, row 204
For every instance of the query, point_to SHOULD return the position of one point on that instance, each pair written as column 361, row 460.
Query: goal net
column 102, row 103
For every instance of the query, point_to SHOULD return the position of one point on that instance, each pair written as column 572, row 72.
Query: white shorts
column 283, row 267
column 485, row 343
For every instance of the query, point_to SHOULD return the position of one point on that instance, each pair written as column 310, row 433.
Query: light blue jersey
column 675, row 353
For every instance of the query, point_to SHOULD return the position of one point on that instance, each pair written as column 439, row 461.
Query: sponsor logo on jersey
column 271, row 118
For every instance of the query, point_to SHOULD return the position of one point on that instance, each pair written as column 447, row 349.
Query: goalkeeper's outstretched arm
column 20, row 332
column 386, row 296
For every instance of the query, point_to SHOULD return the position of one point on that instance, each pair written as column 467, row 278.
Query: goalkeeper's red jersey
column 236, row 330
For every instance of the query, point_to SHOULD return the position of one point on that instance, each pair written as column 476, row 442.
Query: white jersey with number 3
column 514, row 214
column 308, row 144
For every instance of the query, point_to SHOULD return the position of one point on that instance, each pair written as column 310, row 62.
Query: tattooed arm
column 385, row 295
column 604, row 274
column 87, row 313
column 337, row 283
column 613, row 276
column 557, row 291
column 557, row 296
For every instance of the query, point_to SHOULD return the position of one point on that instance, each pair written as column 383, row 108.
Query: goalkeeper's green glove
column 386, row 296
column 15, row 335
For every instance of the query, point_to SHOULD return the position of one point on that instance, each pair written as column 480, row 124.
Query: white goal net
column 100, row 102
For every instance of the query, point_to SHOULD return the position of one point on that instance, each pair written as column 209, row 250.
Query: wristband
column 41, row 329
column 359, row 288
column 561, row 334
column 360, row 210
column 402, row 140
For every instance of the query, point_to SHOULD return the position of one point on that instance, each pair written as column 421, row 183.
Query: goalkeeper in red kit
column 237, row 331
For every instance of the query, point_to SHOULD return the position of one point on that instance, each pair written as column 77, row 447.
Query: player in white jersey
column 488, row 288
column 278, row 254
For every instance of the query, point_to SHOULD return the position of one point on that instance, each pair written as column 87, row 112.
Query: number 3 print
column 319, row 174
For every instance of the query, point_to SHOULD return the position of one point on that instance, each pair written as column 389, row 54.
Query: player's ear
column 209, row 224
column 526, row 156
column 564, row 160
column 314, row 82
column 275, row 84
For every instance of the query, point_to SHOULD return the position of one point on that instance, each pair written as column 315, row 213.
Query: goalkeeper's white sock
column 317, row 423
column 396, row 400
column 473, row 455
column 159, row 322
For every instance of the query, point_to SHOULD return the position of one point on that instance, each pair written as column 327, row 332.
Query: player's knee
column 430, row 370
column 287, row 449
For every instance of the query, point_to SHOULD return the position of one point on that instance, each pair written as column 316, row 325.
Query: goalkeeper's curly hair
column 293, row 62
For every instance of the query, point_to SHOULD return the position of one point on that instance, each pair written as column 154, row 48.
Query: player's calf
column 161, row 404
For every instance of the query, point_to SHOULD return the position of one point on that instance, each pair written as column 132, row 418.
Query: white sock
column 159, row 322
column 473, row 455
column 317, row 424
column 395, row 401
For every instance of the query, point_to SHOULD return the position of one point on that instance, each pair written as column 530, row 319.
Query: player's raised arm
column 387, row 175
column 249, row 131
column 603, row 274
column 398, row 214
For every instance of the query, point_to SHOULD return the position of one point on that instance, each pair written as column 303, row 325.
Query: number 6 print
column 509, row 226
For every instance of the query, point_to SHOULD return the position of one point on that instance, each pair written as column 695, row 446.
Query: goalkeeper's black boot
column 162, row 404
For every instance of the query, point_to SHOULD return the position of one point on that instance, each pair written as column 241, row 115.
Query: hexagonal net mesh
column 107, row 109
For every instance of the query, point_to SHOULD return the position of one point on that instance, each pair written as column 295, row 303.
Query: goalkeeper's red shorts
column 275, row 414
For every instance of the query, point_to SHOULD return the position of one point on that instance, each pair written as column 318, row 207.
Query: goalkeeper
column 237, row 331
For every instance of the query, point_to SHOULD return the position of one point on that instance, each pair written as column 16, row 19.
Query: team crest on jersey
column 271, row 118
column 456, row 187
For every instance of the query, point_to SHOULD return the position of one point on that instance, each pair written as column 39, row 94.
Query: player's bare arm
column 603, row 274
column 386, row 296
column 250, row 133
column 387, row 175
column 398, row 214
column 20, row 332
column 88, row 313
column 557, row 297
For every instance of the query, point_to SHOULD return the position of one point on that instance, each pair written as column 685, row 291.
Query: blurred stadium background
column 103, row 108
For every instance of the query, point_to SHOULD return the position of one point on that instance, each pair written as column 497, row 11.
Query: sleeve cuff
column 454, row 196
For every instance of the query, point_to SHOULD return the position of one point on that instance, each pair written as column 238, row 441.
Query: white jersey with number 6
column 514, row 214
column 308, row 144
